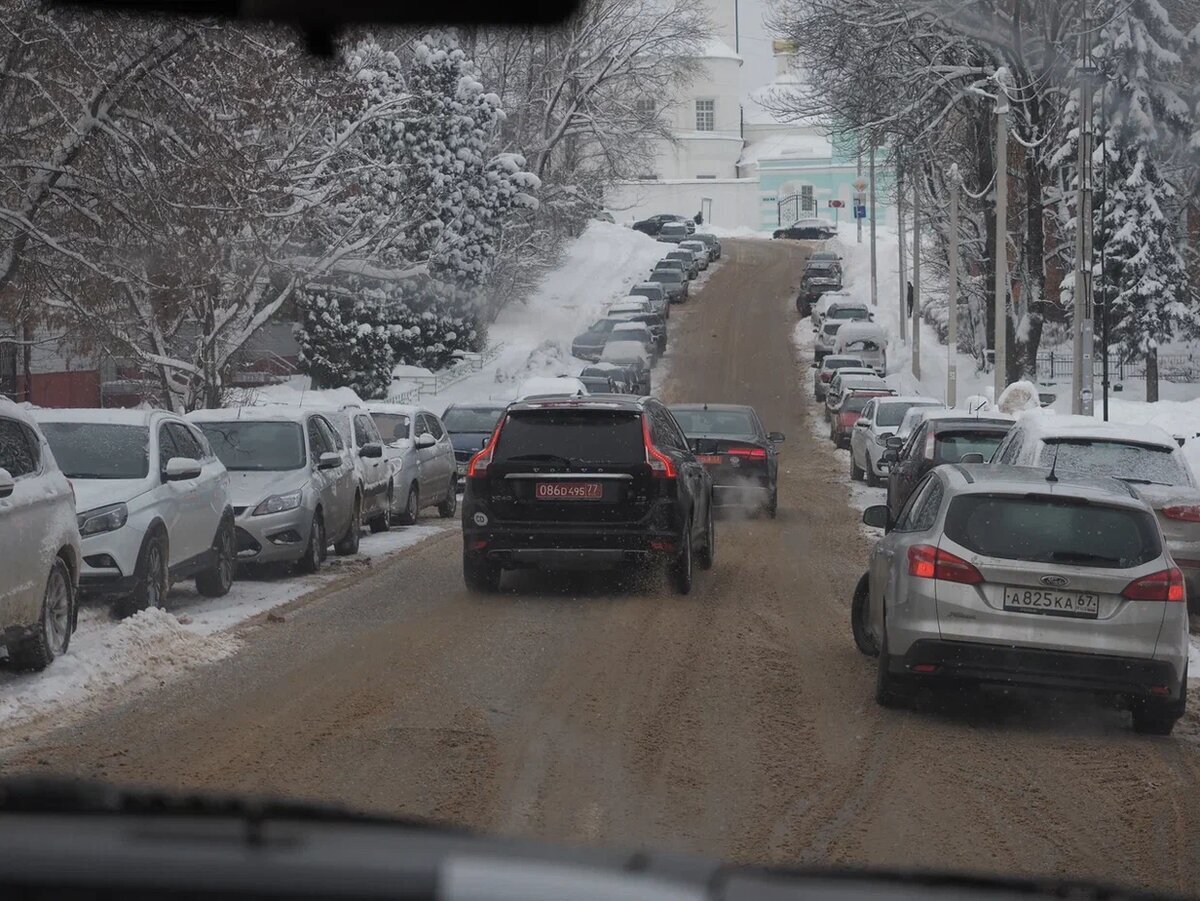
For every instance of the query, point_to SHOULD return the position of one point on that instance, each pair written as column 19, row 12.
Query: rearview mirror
column 777, row 437
column 7, row 483
column 971, row 458
column 890, row 456
column 878, row 516
column 426, row 440
column 372, row 450
column 329, row 460
column 180, row 468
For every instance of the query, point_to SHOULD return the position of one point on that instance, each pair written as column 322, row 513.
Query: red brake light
column 1184, row 512
column 661, row 466
column 753, row 453
column 928, row 562
column 1166, row 585
column 483, row 459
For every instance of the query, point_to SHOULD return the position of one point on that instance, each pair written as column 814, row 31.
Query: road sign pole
column 858, row 218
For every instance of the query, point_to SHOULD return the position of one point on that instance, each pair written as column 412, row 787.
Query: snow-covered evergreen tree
column 343, row 342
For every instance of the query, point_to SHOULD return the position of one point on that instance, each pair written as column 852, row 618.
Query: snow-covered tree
column 342, row 342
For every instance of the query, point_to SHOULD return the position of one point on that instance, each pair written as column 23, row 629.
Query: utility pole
column 952, row 321
column 1000, row 298
column 857, row 220
column 874, row 267
column 1105, row 299
column 1082, row 374
column 903, row 261
column 916, row 279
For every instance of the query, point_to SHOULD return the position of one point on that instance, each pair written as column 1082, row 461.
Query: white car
column 39, row 577
column 699, row 250
column 420, row 458
column 865, row 340
column 375, row 485
column 560, row 386
column 878, row 421
column 293, row 486
column 153, row 500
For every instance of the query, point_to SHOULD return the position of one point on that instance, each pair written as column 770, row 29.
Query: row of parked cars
column 1037, row 550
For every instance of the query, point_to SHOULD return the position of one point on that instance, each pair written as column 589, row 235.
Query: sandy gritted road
column 738, row 721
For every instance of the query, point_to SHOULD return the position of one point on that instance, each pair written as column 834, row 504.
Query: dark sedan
column 469, row 426
column 653, row 225
column 807, row 230
column 624, row 379
column 741, row 455
column 675, row 282
column 820, row 276
column 687, row 258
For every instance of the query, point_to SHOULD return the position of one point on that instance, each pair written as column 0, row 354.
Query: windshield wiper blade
column 1137, row 481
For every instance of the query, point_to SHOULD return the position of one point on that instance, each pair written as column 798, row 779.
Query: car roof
column 402, row 409
column 731, row 408
column 628, row 402
column 261, row 413
column 984, row 478
column 630, row 325
column 946, row 423
column 915, row 399
column 854, row 330
column 469, row 404
column 13, row 410
column 850, row 302
column 849, row 372
column 837, row 357
column 612, row 348
column 648, row 285
column 1050, row 425
column 986, row 415
column 820, row 262
column 102, row 415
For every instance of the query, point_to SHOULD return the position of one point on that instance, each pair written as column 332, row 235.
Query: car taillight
column 928, row 562
column 1183, row 512
column 661, row 466
column 752, row 453
column 483, row 459
column 1166, row 585
column 847, row 419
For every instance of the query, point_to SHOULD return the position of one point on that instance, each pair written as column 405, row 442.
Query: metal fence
column 1173, row 367
column 434, row 383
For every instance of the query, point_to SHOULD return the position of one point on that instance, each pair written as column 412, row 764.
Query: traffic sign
column 860, row 211
column 860, row 184
column 836, row 204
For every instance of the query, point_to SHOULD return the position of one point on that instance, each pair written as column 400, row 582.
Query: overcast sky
column 758, row 67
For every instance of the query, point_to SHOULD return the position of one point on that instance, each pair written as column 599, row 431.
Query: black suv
column 598, row 481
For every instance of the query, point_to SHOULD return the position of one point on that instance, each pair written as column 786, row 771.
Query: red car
column 846, row 413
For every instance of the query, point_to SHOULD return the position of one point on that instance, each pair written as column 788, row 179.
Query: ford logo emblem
column 1055, row 581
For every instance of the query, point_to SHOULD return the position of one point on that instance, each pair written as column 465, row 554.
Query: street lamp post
column 952, row 321
column 1000, row 295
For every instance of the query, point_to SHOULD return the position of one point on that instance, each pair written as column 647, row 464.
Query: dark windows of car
column 185, row 442
column 951, row 446
column 580, row 436
column 832, row 363
column 716, row 422
column 394, row 426
column 318, row 442
column 893, row 414
column 257, row 446
column 664, row 429
column 856, row 313
column 1053, row 530
column 433, row 426
column 1143, row 462
column 364, row 431
column 166, row 447
column 18, row 453
column 921, row 513
column 471, row 419
column 99, row 450
column 332, row 439
column 855, row 403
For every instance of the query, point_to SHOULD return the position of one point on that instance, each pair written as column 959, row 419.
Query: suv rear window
column 1053, row 530
column 1143, row 462
column 581, row 436
column 951, row 446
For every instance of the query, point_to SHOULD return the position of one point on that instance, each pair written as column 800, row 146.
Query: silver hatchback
column 1015, row 576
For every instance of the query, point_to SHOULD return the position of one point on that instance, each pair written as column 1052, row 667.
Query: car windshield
column 892, row 414
column 665, row 274
column 831, row 363
column 245, row 446
column 715, row 422
column 849, row 313
column 1046, row 530
column 1137, row 462
column 392, row 426
column 92, row 450
column 470, row 419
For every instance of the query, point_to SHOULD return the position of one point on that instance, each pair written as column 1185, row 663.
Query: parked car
column 674, row 282
column 469, row 427
column 652, row 225
column 847, row 310
column 843, row 416
column 1143, row 456
column 552, row 386
column 818, row 309
column 874, row 426
column 1015, row 576
column 674, row 232
column 822, row 255
column 421, row 453
column 631, row 330
column 293, row 486
column 807, row 230
column 740, row 454
column 826, row 339
column 153, row 501
column 361, row 436
column 710, row 241
column 656, row 294
column 604, row 483
column 39, row 532
column 824, row 370
column 866, row 340
column 818, row 277
column 624, row 379
column 849, row 377
column 699, row 249
column 588, row 345
column 688, row 258
column 632, row 356
column 941, row 437
column 639, row 310
column 600, row 384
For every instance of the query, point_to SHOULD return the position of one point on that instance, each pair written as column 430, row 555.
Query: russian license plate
column 568, row 491
column 710, row 459
column 1053, row 603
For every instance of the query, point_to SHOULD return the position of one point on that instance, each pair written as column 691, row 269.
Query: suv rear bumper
column 566, row 547
column 1133, row 677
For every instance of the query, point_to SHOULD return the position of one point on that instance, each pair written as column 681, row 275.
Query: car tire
column 153, row 578
column 1159, row 718
column 412, row 506
column 860, row 616
column 681, row 572
column 314, row 551
column 51, row 635
column 449, row 505
column 481, row 576
column 856, row 473
column 347, row 545
column 216, row 581
column 383, row 521
column 833, row 434
column 708, row 553
column 891, row 690
column 772, row 507
column 873, row 481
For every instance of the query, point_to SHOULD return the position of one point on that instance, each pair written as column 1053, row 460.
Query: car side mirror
column 426, row 440
column 179, row 469
column 7, row 483
column 372, row 450
column 878, row 516
column 776, row 437
column 894, row 443
column 814, row 365
column 890, row 455
column 329, row 460
column 971, row 458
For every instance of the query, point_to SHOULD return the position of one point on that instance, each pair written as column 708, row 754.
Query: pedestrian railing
column 1179, row 367
column 433, row 384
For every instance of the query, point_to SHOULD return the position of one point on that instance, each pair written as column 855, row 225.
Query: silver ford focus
column 1019, row 576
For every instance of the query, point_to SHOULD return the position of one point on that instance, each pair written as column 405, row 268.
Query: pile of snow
column 1018, row 397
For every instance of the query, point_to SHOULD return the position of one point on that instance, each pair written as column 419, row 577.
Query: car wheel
column 772, row 506
column 1159, row 718
column 216, row 581
column 708, row 554
column 891, row 690
column 449, row 505
column 681, row 566
column 51, row 635
column 833, row 434
column 412, row 506
column 314, row 551
column 480, row 575
column 152, row 579
column 860, row 616
column 872, row 480
column 383, row 521
column 348, row 544
column 856, row 473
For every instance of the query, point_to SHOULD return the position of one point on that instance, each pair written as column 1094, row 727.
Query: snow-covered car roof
column 616, row 351
column 1041, row 425
column 656, row 285
column 105, row 415
column 838, row 358
column 629, row 306
column 378, row 406
column 629, row 325
column 11, row 410
column 870, row 331
column 913, row 399
column 984, row 478
column 984, row 416
column 548, row 386
column 852, row 303
column 261, row 413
